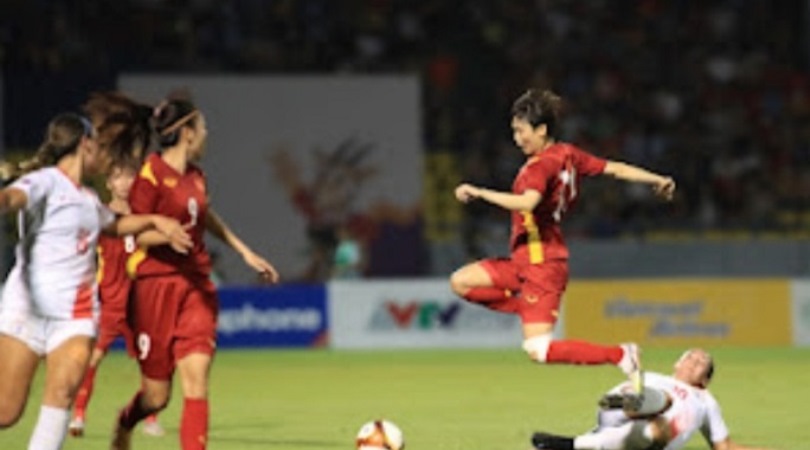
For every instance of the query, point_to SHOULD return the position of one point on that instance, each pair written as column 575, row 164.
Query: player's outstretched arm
column 526, row 201
column 217, row 227
column 662, row 185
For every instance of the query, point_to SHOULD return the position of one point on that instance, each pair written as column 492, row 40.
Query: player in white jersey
column 673, row 409
column 49, row 308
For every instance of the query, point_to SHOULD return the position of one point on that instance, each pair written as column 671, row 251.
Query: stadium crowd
column 711, row 92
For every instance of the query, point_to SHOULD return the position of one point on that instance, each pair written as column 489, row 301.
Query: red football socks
column 85, row 392
column 581, row 352
column 194, row 424
column 133, row 413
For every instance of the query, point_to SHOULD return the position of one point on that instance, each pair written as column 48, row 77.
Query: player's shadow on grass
column 269, row 442
column 234, row 441
column 261, row 436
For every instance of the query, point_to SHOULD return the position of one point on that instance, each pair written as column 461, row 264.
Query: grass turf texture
column 442, row 399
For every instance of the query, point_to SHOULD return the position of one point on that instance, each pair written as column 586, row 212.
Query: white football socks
column 50, row 430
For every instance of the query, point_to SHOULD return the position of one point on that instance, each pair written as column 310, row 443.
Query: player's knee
column 9, row 415
column 195, row 387
column 458, row 283
column 60, row 396
column 537, row 347
column 154, row 400
column 658, row 432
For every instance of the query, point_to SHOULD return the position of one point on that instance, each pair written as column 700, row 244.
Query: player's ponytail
column 125, row 128
column 62, row 137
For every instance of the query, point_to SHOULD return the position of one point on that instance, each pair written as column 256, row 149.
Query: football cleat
column 153, row 428
column 76, row 427
column 631, row 366
column 122, row 438
column 546, row 441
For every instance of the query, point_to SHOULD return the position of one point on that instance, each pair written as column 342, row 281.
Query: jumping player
column 532, row 281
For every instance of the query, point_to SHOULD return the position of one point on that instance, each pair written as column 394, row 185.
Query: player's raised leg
column 490, row 282
column 541, row 296
column 542, row 348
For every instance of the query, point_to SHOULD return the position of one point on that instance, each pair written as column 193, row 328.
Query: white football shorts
column 43, row 335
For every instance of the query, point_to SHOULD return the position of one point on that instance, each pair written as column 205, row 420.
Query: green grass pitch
column 442, row 399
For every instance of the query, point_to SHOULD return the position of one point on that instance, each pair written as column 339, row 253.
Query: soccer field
column 443, row 400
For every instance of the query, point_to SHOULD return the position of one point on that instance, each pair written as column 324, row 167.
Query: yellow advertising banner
column 680, row 312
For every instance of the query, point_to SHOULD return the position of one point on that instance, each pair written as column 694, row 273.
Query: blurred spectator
column 715, row 91
column 348, row 258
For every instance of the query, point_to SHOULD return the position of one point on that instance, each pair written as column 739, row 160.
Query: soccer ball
column 380, row 435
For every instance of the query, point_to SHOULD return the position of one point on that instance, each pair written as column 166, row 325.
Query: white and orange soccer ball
column 380, row 435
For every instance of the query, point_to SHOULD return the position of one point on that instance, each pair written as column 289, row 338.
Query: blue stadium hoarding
column 278, row 316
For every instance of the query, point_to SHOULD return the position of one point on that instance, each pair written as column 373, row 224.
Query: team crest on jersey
column 170, row 182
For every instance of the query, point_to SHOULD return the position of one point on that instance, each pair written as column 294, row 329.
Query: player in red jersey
column 174, row 310
column 114, row 288
column 531, row 282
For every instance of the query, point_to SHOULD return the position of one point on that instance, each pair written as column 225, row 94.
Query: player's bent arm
column 151, row 238
column 12, row 200
column 728, row 444
column 136, row 223
column 171, row 230
column 216, row 226
column 525, row 201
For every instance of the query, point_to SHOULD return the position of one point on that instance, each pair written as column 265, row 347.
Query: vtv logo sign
column 424, row 315
column 433, row 315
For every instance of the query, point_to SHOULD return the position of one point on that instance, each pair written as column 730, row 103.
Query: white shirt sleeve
column 36, row 186
column 714, row 429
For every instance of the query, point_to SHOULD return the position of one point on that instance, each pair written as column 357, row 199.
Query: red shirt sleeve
column 586, row 163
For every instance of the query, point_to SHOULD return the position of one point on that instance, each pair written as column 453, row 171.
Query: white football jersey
column 692, row 409
column 55, row 272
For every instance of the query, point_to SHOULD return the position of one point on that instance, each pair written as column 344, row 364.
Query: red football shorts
column 538, row 288
column 172, row 317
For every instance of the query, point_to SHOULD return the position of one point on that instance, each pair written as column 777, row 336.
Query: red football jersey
column 555, row 173
column 113, row 281
column 159, row 189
